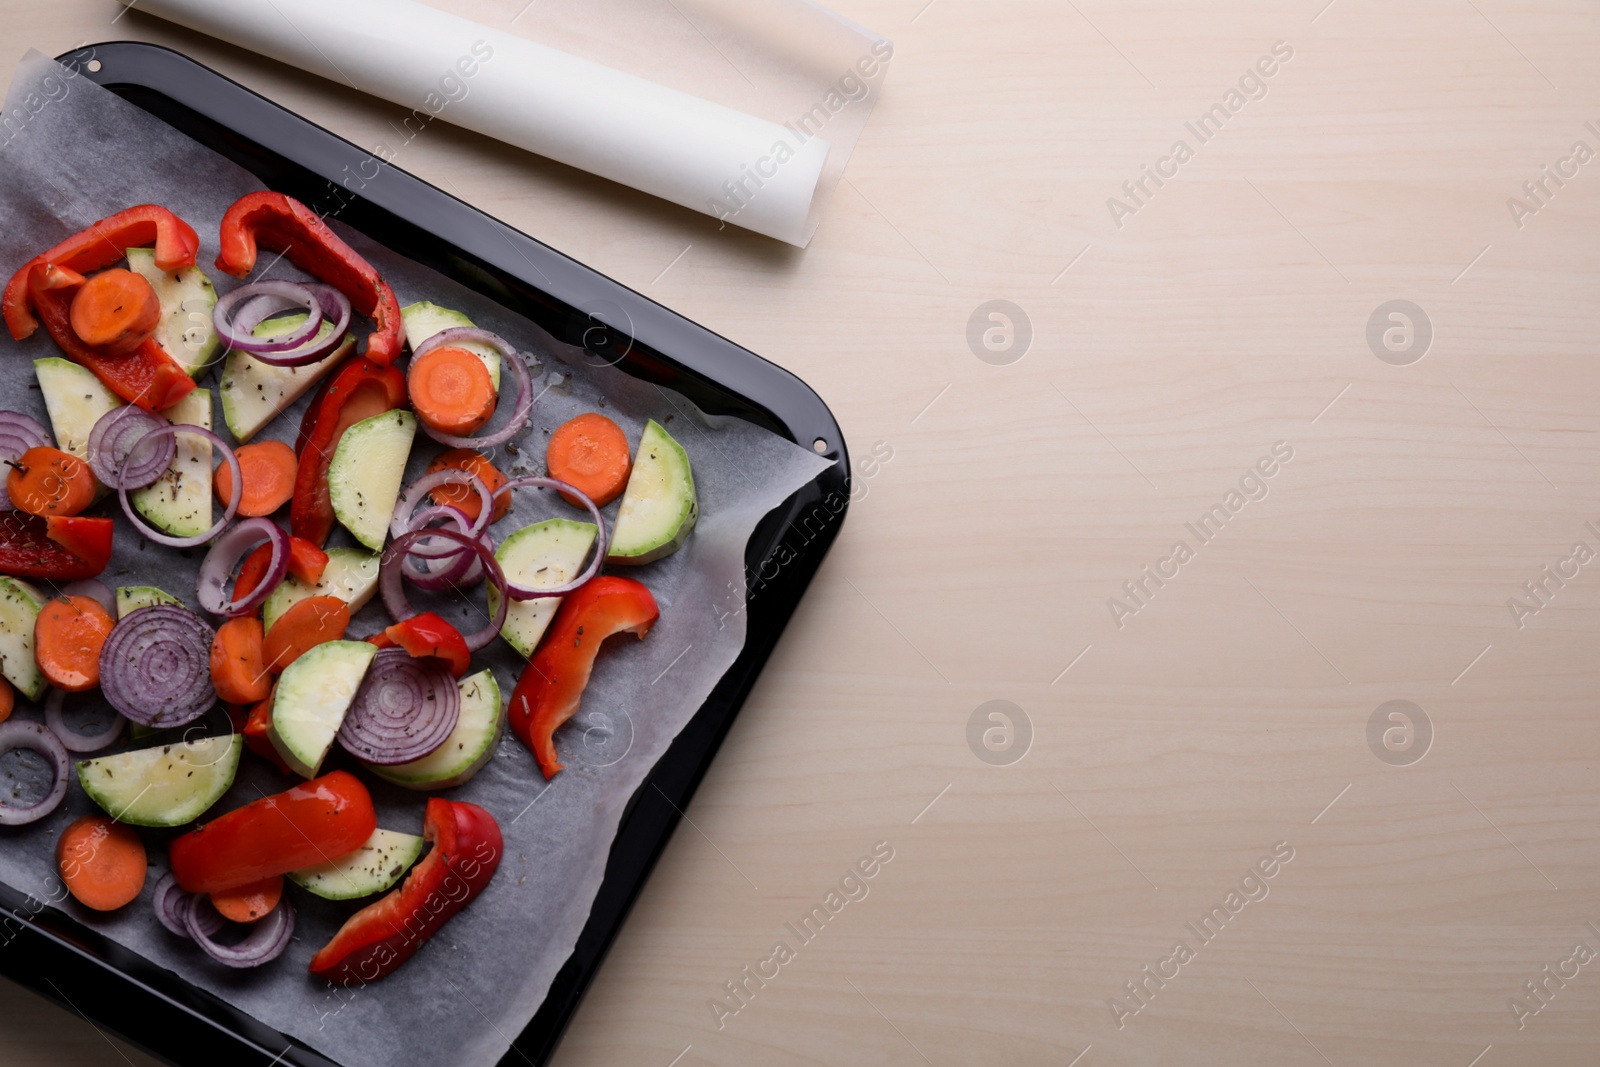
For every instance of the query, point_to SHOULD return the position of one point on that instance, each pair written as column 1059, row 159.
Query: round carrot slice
column 303, row 627
column 115, row 310
column 250, row 902
column 238, row 662
column 591, row 453
column 102, row 862
column 463, row 497
column 47, row 481
column 268, row 469
column 67, row 637
column 451, row 390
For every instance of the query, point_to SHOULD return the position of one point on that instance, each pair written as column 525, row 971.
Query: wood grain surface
column 1161, row 358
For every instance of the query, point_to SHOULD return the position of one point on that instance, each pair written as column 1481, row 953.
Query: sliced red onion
column 442, row 568
column 233, row 501
column 524, row 592
column 404, row 522
column 14, row 424
column 18, row 433
column 519, row 370
column 450, row 566
column 34, row 737
column 268, row 937
column 71, row 739
column 95, row 590
column 335, row 307
column 435, row 513
column 171, row 903
column 155, row 667
column 452, row 569
column 406, row 707
column 394, row 595
column 226, row 554
column 235, row 329
column 112, row 441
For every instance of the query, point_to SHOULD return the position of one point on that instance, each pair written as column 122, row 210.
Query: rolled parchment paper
column 756, row 174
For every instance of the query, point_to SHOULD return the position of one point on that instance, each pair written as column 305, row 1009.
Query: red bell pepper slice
column 255, row 736
column 306, row 562
column 147, row 376
column 283, row 224
column 429, row 635
column 376, row 940
column 58, row 548
column 314, row 822
column 552, row 685
column 359, row 391
column 100, row 246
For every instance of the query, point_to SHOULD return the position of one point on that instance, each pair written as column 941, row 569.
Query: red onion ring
column 435, row 576
column 406, row 707
column 155, row 666
column 394, row 596
column 268, row 937
column 171, row 901
column 235, row 330
column 519, row 370
column 438, row 513
column 404, row 522
column 95, row 590
column 34, row 737
column 450, row 568
column 18, row 433
column 70, row 739
column 336, row 307
column 226, row 553
column 112, row 441
column 233, row 501
column 445, row 568
column 523, row 592
column 15, row 424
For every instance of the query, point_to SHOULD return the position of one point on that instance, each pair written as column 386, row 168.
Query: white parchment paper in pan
column 70, row 153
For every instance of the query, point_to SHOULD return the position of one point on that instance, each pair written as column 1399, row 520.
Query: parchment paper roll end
column 744, row 170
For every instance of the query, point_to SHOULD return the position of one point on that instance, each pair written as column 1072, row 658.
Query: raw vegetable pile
column 268, row 643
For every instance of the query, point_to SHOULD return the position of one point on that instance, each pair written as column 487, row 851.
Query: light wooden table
column 1227, row 317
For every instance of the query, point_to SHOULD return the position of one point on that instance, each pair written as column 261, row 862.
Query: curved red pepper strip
column 552, row 685
column 308, row 824
column 376, row 940
column 283, row 224
column 359, row 391
column 59, row 548
column 147, row 376
column 101, row 245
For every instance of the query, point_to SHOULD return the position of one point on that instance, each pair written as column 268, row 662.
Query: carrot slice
column 268, row 469
column 451, row 390
column 303, row 627
column 306, row 560
column 115, row 310
column 67, row 636
column 8, row 699
column 249, row 902
column 464, row 497
column 238, row 662
column 591, row 453
column 47, row 481
column 102, row 862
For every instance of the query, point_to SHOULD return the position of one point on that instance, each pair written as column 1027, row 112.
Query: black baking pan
column 47, row 951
